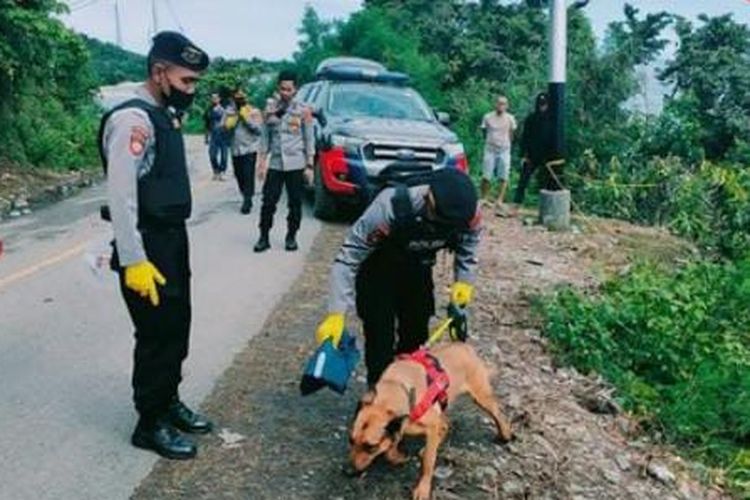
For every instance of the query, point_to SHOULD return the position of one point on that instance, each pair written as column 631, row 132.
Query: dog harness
column 437, row 383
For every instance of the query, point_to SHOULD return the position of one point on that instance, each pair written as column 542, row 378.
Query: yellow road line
column 51, row 261
column 64, row 255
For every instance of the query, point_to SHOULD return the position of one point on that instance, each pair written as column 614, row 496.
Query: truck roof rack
column 356, row 69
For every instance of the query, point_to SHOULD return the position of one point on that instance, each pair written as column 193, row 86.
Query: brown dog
column 383, row 416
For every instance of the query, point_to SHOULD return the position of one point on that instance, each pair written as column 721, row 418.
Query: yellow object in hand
column 246, row 112
column 332, row 327
column 461, row 293
column 142, row 278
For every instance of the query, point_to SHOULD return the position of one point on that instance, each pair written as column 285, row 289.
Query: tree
column 712, row 69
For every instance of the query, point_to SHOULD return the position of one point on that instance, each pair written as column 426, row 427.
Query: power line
column 154, row 18
column 175, row 16
column 82, row 5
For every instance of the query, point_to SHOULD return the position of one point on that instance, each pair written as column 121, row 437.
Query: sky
column 268, row 28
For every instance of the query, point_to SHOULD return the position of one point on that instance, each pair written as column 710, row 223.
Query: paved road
column 66, row 340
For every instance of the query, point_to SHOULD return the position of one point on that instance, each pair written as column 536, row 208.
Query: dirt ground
column 571, row 441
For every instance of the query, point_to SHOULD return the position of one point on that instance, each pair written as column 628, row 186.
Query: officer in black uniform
column 384, row 267
column 143, row 154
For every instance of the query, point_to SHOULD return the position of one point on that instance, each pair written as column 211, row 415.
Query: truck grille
column 394, row 152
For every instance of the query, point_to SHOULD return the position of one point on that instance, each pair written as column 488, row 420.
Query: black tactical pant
column 294, row 181
column 546, row 180
column 393, row 292
column 161, row 333
column 244, row 172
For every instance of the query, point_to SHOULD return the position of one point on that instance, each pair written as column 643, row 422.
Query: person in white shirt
column 498, row 127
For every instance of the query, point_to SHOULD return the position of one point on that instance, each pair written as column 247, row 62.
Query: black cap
column 455, row 196
column 176, row 48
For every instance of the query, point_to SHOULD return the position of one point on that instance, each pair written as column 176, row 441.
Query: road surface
column 66, row 340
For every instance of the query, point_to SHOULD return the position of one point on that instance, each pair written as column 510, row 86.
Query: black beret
column 176, row 48
column 455, row 196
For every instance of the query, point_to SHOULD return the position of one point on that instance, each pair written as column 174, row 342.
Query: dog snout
column 350, row 470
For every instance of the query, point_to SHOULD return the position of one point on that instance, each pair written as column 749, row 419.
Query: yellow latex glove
column 230, row 122
column 142, row 278
column 332, row 327
column 245, row 112
column 461, row 293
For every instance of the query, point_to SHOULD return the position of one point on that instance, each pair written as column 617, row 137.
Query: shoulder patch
column 476, row 221
column 138, row 138
column 378, row 234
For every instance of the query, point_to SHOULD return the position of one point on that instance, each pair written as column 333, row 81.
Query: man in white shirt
column 498, row 127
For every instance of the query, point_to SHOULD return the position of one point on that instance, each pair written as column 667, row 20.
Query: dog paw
column 395, row 456
column 505, row 437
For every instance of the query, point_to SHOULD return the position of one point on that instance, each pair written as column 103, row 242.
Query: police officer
column 287, row 159
column 245, row 126
column 385, row 264
column 143, row 153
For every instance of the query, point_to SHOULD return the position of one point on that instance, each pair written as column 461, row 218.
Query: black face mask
column 178, row 99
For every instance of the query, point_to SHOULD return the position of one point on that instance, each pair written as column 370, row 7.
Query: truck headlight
column 347, row 142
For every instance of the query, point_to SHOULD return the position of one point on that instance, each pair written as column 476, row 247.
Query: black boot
column 161, row 437
column 247, row 206
column 263, row 243
column 291, row 242
column 187, row 420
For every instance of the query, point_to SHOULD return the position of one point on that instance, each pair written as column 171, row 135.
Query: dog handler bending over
column 385, row 264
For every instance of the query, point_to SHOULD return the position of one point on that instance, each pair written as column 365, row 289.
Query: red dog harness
column 437, row 383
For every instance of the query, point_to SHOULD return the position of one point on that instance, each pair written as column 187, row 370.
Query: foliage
column 112, row 64
column 676, row 344
column 45, row 88
column 712, row 71
column 255, row 77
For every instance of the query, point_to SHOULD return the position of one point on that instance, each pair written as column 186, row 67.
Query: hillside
column 112, row 64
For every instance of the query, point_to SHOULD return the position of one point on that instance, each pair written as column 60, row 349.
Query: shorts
column 496, row 164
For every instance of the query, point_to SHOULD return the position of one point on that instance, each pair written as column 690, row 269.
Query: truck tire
column 324, row 206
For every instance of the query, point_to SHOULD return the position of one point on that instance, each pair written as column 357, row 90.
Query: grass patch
column 676, row 344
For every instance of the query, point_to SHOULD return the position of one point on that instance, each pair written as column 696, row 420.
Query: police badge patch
column 294, row 124
column 138, row 138
column 191, row 55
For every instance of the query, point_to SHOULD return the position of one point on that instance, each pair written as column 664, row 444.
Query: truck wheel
column 324, row 207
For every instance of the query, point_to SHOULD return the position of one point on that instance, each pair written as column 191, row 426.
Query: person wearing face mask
column 384, row 267
column 148, row 191
column 245, row 126
column 286, row 159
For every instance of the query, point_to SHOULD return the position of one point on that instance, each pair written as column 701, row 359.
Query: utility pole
column 118, row 24
column 558, row 48
column 154, row 17
column 554, row 200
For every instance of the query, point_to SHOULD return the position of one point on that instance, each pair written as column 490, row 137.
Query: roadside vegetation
column 671, row 336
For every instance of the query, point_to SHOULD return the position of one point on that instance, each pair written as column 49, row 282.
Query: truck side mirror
column 443, row 117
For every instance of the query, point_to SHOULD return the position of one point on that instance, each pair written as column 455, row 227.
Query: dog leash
column 438, row 333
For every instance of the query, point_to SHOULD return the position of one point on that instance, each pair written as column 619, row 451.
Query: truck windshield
column 379, row 101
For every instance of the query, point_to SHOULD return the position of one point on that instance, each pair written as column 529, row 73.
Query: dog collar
column 437, row 383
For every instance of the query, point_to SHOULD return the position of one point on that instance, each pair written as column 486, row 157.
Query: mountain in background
column 112, row 64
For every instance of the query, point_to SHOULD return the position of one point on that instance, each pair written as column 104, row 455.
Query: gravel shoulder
column 571, row 442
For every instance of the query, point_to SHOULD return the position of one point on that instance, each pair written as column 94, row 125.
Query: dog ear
column 367, row 398
column 394, row 426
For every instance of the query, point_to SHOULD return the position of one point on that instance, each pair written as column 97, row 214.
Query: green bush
column 46, row 84
column 708, row 203
column 676, row 344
